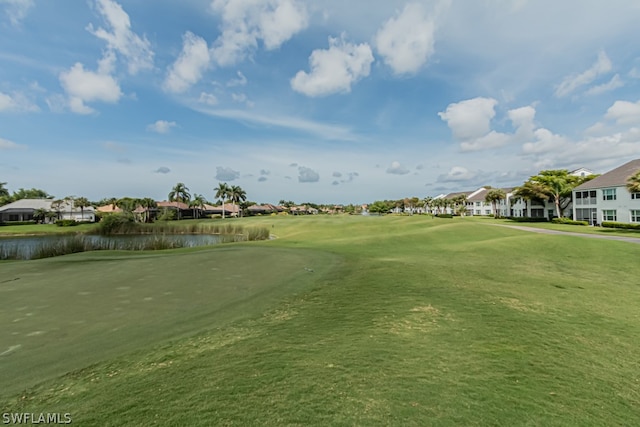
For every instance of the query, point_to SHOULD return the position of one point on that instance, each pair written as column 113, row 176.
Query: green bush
column 117, row 224
column 527, row 219
column 609, row 224
column 444, row 215
column 66, row 223
column 568, row 221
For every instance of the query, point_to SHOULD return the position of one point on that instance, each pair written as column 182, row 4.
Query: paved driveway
column 568, row 233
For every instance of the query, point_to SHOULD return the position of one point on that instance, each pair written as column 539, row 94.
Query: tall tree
column 81, row 202
column 39, row 215
column 237, row 195
column 147, row 204
column 56, row 205
column 494, row 196
column 557, row 186
column 222, row 192
column 197, row 203
column 4, row 193
column 179, row 193
column 633, row 183
column 459, row 204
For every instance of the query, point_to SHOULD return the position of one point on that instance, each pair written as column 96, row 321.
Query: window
column 487, row 212
column 609, row 194
column 635, row 215
column 586, row 197
column 477, row 203
column 635, row 196
column 609, row 215
column 478, row 212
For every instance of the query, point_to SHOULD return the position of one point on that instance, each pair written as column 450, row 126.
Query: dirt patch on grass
column 516, row 304
column 420, row 319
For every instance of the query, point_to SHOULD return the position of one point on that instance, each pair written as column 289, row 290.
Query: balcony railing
column 587, row 201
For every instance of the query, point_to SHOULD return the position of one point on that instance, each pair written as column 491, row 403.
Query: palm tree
column 197, row 202
column 70, row 200
column 82, row 202
column 237, row 195
column 39, row 215
column 633, row 183
column 56, row 205
column 494, row 196
column 179, row 193
column 147, row 203
column 459, row 204
column 4, row 193
column 222, row 192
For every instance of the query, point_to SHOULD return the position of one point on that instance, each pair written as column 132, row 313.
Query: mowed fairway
column 403, row 321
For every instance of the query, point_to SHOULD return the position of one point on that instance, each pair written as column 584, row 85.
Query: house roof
column 478, row 195
column 228, row 207
column 614, row 178
column 460, row 193
column 26, row 204
column 108, row 209
column 165, row 204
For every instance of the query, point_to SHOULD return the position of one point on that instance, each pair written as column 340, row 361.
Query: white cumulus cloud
column 624, row 112
column 208, row 98
column 406, row 41
column 120, row 38
column 334, row 70
column 83, row 86
column 470, row 118
column 161, row 126
column 306, row 174
column 190, row 65
column 397, row 169
column 245, row 23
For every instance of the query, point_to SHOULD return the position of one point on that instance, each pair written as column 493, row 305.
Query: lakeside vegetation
column 342, row 320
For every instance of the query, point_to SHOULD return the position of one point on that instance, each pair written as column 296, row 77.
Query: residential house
column 542, row 208
column 24, row 209
column 606, row 198
column 230, row 210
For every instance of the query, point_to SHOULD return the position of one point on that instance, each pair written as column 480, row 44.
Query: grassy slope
column 424, row 321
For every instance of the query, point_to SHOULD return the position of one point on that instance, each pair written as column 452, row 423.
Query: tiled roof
column 165, row 204
column 479, row 196
column 614, row 178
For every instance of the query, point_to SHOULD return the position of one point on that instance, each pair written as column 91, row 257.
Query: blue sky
column 328, row 102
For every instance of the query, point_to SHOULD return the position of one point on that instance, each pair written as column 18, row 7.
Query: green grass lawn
column 36, row 229
column 403, row 321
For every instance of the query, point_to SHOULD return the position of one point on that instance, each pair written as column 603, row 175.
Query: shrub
column 444, row 216
column 568, row 221
column 66, row 223
column 117, row 224
column 609, row 224
column 527, row 219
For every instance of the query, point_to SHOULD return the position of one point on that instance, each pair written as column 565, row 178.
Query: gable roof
column 614, row 178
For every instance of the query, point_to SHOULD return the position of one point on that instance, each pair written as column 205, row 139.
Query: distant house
column 228, row 208
column 264, row 209
column 179, row 207
column 108, row 209
column 606, row 198
column 24, row 209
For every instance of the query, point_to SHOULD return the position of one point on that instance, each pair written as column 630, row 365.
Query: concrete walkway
column 568, row 233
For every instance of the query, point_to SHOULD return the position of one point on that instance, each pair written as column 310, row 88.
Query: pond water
column 25, row 247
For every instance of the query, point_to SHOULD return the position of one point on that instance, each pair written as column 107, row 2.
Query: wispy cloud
column 333, row 132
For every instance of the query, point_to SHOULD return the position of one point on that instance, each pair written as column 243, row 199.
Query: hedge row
column 444, row 215
column 568, row 221
column 527, row 219
column 609, row 224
